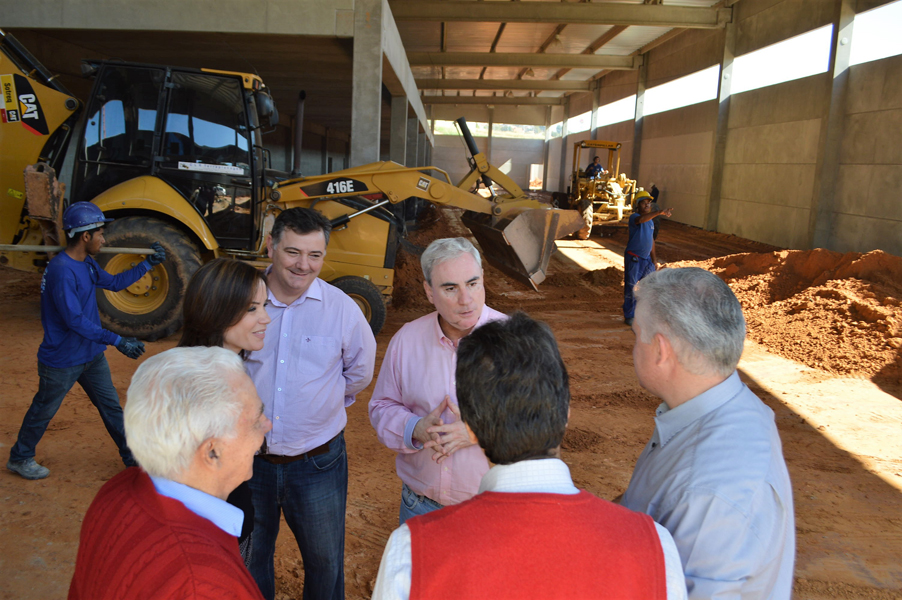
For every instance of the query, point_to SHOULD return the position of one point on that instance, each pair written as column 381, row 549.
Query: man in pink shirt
column 414, row 405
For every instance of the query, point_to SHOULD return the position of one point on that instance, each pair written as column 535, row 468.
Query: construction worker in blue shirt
column 639, row 258
column 595, row 169
column 74, row 341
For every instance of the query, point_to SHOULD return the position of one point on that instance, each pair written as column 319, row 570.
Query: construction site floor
column 825, row 334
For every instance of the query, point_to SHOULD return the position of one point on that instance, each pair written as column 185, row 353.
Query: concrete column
column 593, row 127
column 488, row 144
column 640, row 115
column 366, row 105
column 397, row 147
column 421, row 148
column 820, row 228
column 412, row 138
column 546, row 157
column 565, row 171
column 715, row 181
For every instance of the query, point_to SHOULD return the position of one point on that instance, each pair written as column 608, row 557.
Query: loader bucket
column 520, row 243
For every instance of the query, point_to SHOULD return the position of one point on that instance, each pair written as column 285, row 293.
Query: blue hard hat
column 82, row 216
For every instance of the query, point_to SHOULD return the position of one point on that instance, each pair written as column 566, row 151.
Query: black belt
column 278, row 459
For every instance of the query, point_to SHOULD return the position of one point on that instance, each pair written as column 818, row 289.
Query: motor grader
column 607, row 196
column 175, row 155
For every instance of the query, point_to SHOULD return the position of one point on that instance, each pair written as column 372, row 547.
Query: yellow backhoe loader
column 175, row 155
column 607, row 195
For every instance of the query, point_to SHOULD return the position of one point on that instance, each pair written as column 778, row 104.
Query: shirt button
column 279, row 389
column 277, row 418
column 284, row 335
column 281, row 361
column 446, row 468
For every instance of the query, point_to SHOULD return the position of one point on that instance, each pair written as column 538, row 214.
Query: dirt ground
column 824, row 353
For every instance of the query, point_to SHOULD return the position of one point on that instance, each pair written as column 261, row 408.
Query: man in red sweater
column 194, row 421
column 529, row 533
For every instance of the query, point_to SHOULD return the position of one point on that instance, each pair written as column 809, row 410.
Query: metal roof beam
column 503, row 84
column 489, row 100
column 525, row 59
column 584, row 13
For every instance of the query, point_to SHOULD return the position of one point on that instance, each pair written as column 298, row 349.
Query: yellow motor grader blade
column 521, row 242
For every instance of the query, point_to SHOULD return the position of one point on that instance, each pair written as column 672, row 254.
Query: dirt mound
column 17, row 285
column 832, row 311
column 432, row 224
column 610, row 277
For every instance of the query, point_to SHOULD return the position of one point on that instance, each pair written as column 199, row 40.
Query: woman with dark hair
column 225, row 305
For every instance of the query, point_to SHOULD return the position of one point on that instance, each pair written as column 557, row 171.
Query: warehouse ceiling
column 470, row 51
column 512, row 52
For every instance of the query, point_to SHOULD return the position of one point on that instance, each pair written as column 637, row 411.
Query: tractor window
column 207, row 125
column 118, row 136
column 122, row 117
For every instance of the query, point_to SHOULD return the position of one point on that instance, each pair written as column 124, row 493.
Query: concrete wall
column 295, row 17
column 585, row 157
column 552, row 181
column 450, row 153
column 616, row 86
column 770, row 162
column 521, row 153
column 761, row 23
column 676, row 155
column 868, row 201
column 677, row 145
column 516, row 115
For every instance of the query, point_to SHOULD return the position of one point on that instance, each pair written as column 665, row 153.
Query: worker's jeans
column 313, row 494
column 634, row 269
column 94, row 378
column 413, row 505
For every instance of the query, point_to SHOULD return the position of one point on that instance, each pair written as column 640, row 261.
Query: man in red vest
column 193, row 421
column 529, row 533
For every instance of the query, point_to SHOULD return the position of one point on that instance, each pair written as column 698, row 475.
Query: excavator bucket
column 520, row 243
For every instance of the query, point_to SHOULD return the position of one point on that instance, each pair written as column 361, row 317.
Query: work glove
column 158, row 256
column 130, row 346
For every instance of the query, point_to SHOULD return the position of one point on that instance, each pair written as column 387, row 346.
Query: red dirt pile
column 831, row 311
column 432, row 224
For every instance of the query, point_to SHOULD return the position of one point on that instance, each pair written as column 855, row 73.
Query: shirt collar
column 314, row 292
column 444, row 340
column 543, row 476
column 670, row 421
column 222, row 514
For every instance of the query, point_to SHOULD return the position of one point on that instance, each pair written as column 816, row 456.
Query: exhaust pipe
column 298, row 134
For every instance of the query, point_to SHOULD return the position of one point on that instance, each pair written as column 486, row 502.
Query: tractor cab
column 196, row 130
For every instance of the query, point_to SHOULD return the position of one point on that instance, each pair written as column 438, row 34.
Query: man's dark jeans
column 634, row 269
column 94, row 378
column 313, row 494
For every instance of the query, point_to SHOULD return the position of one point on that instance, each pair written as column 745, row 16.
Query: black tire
column 368, row 298
column 156, row 312
column 588, row 213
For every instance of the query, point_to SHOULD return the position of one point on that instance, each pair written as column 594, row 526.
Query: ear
column 664, row 352
column 471, row 435
column 428, row 289
column 209, row 453
column 269, row 246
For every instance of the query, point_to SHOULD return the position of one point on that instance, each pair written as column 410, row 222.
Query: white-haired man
column 414, row 405
column 713, row 472
column 194, row 422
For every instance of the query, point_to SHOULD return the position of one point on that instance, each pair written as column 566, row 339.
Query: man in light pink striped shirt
column 414, row 405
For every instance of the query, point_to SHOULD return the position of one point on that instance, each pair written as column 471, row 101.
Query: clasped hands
column 444, row 439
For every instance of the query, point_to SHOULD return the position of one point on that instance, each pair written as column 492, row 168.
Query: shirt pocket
column 317, row 355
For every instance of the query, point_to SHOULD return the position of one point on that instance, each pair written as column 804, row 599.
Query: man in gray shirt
column 713, row 472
